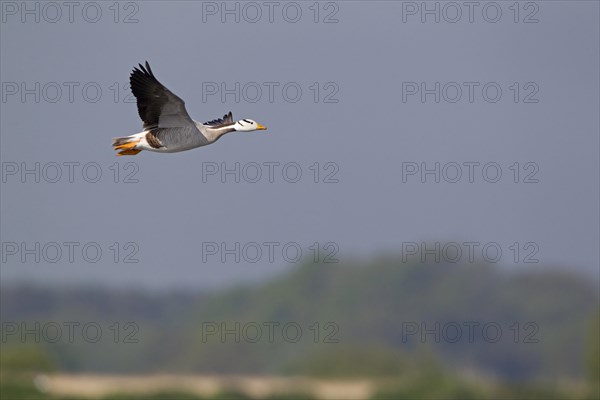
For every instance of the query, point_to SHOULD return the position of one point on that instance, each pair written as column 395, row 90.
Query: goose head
column 248, row 125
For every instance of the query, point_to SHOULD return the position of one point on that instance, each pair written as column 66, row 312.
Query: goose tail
column 126, row 145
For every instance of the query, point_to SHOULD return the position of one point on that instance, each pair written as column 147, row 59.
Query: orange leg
column 131, row 152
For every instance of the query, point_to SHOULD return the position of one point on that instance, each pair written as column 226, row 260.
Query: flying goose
column 168, row 127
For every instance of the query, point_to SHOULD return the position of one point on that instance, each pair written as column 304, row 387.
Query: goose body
column 168, row 128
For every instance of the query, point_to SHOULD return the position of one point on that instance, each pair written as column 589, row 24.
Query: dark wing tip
column 142, row 76
column 149, row 69
column 226, row 120
column 144, row 70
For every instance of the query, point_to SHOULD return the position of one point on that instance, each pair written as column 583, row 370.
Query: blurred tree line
column 357, row 320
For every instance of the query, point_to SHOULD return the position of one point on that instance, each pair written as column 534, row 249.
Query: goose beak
column 260, row 127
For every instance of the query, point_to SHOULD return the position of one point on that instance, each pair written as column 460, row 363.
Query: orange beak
column 260, row 127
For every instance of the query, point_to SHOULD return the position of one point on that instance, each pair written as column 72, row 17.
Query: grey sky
column 365, row 57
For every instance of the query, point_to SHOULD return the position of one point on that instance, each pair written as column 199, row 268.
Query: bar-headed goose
column 168, row 127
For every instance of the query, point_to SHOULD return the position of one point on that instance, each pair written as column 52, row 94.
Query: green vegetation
column 594, row 355
column 349, row 362
column 356, row 321
column 21, row 358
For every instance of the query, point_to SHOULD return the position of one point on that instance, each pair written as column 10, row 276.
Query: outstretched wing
column 216, row 123
column 158, row 106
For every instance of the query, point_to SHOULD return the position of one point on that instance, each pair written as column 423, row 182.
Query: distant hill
column 370, row 319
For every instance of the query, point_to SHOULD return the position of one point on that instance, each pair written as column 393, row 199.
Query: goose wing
column 162, row 112
column 158, row 106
